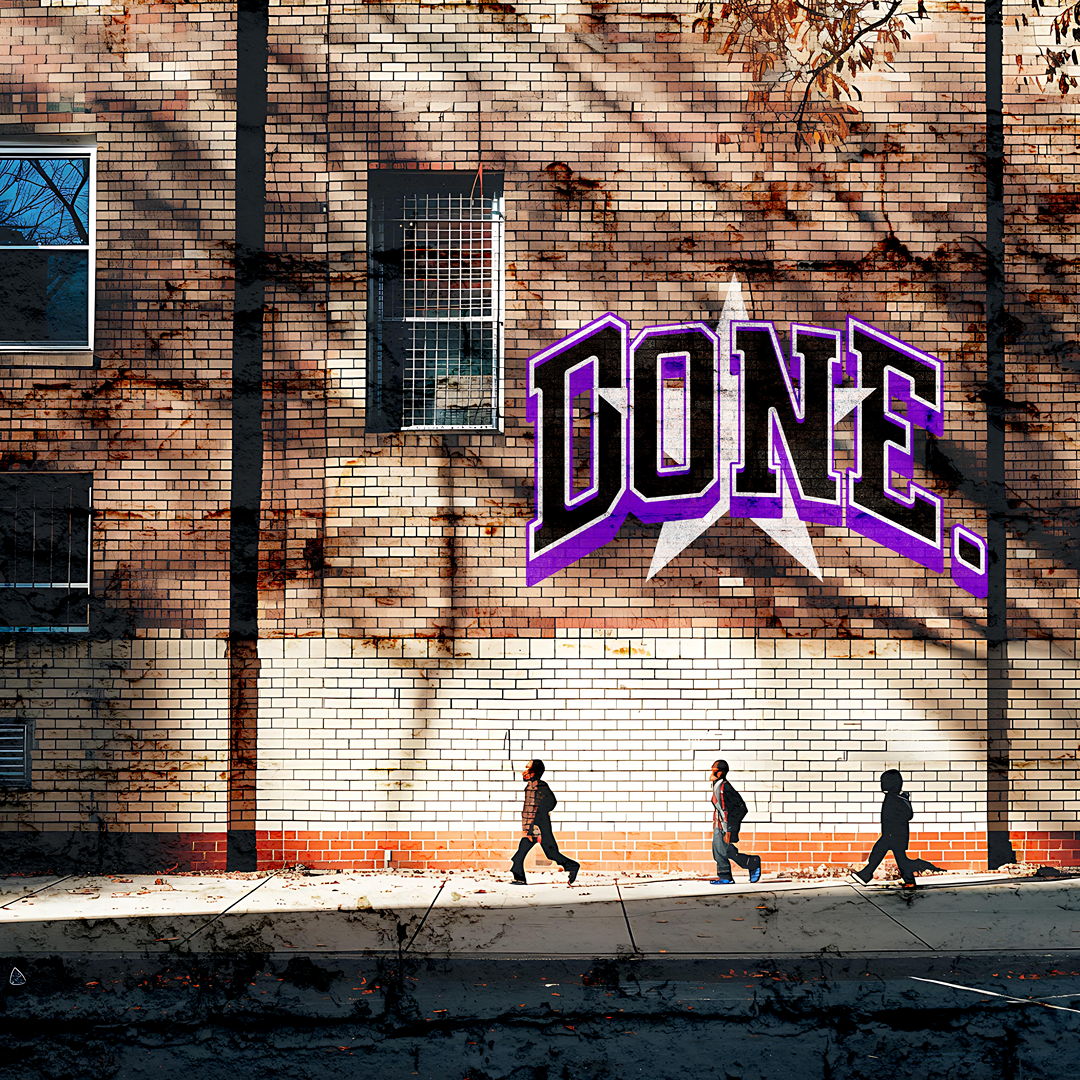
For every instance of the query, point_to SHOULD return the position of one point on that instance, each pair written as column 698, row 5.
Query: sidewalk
column 477, row 915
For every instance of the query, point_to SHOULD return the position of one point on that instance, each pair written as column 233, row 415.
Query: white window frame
column 61, row 150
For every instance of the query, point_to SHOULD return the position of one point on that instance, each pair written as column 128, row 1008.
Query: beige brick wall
column 1044, row 735
column 636, row 182
column 129, row 733
column 402, row 734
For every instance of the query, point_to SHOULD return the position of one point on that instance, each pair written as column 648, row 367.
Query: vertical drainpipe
column 252, row 46
column 999, row 848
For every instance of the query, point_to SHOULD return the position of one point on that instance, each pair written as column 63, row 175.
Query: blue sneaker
column 755, row 869
column 722, row 881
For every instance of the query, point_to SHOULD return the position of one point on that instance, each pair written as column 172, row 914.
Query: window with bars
column 15, row 746
column 435, row 318
column 46, row 248
column 45, row 552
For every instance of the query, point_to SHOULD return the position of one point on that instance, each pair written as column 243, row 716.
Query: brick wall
column 628, row 724
column 129, row 736
column 635, row 183
column 400, row 643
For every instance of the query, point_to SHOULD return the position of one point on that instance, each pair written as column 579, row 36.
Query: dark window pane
column 44, row 297
column 44, row 525
column 44, row 609
column 44, row 201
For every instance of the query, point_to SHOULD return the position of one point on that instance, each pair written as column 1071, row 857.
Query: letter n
column 786, row 422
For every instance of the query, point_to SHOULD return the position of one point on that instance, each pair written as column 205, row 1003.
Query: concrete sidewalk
column 462, row 915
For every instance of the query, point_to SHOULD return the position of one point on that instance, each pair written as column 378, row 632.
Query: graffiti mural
column 684, row 423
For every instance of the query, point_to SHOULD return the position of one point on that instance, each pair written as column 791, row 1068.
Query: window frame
column 69, row 585
column 24, row 782
column 416, row 183
column 23, row 149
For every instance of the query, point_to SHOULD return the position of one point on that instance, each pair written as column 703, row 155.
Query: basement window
column 46, row 248
column 45, row 552
column 15, row 745
column 435, row 307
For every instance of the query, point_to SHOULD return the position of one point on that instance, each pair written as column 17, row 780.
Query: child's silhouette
column 896, row 812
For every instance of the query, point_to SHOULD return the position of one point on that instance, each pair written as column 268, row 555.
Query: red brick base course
column 625, row 852
column 638, row 852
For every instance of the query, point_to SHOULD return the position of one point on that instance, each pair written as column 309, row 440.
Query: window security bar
column 453, row 310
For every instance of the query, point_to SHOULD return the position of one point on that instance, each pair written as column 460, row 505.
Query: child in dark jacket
column 728, row 813
column 896, row 812
column 536, row 825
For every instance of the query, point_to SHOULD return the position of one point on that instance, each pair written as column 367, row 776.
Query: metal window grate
column 44, row 552
column 14, row 754
column 452, row 308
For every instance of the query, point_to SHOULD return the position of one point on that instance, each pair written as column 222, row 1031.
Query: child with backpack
column 728, row 813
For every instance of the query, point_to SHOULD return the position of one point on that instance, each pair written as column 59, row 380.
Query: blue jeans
column 727, row 853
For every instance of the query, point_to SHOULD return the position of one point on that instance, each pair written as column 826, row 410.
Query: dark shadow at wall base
column 242, row 853
column 999, row 850
column 100, row 852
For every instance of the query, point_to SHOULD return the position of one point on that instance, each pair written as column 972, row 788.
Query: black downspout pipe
column 252, row 50
column 999, row 847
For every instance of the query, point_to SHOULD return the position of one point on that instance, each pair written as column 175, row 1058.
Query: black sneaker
column 755, row 869
column 573, row 868
column 518, row 881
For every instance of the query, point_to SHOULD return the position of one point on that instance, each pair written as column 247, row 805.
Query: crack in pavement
column 214, row 918
column 26, row 896
column 629, row 929
column 888, row 916
column 442, row 886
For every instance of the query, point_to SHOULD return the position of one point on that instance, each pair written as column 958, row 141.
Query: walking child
column 729, row 810
column 536, row 825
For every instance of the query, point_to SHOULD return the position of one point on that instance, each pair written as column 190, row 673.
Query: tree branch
column 800, row 113
column 83, row 234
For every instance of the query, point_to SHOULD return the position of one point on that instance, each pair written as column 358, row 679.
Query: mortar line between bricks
column 894, row 919
column 239, row 900
column 629, row 929
column 26, row 896
column 442, row 885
